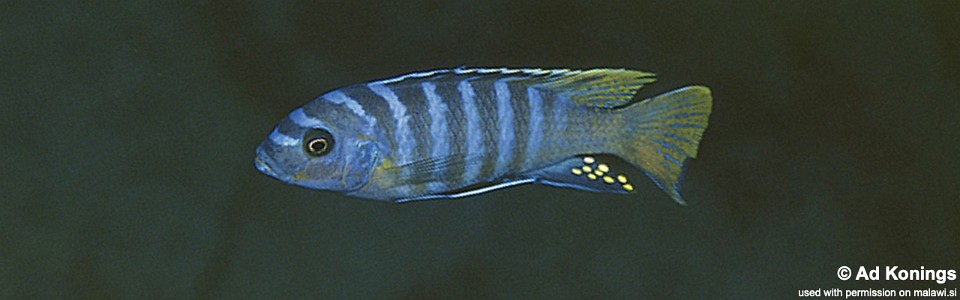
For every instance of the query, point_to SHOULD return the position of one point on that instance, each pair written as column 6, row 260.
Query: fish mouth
column 264, row 166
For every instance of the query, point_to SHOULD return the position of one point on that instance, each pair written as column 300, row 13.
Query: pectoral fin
column 426, row 170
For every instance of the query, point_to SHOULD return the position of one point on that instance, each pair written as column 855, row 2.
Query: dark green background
column 128, row 132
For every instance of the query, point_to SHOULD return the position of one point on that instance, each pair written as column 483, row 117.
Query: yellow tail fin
column 663, row 132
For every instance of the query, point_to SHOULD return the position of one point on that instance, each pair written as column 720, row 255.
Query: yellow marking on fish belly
column 598, row 172
column 301, row 176
column 591, row 176
column 628, row 187
column 587, row 169
column 603, row 168
column 364, row 137
column 588, row 160
column 622, row 178
column 608, row 179
column 576, row 171
column 385, row 163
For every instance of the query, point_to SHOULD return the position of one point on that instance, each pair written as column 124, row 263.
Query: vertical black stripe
column 521, row 125
column 411, row 95
column 456, row 124
column 487, row 108
column 375, row 106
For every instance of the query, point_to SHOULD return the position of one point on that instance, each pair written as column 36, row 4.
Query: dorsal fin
column 539, row 75
column 606, row 88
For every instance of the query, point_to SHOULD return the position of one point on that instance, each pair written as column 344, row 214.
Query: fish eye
column 317, row 142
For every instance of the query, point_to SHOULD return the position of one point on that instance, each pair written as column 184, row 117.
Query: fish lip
column 264, row 166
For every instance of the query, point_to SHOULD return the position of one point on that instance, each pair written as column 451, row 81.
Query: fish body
column 459, row 132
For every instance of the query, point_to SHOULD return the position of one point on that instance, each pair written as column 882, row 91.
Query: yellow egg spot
column 576, row 171
column 603, row 167
column 587, row 169
column 598, row 172
column 588, row 160
column 628, row 187
column 621, row 178
column 591, row 176
column 608, row 179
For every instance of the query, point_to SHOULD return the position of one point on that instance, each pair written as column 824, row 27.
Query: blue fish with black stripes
column 455, row 133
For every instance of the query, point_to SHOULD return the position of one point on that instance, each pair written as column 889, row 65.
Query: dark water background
column 128, row 132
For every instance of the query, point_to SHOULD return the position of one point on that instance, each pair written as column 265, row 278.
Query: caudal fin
column 663, row 132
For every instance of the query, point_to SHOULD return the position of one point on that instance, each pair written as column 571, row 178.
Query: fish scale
column 521, row 127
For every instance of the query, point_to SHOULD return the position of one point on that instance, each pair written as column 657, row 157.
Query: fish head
column 320, row 146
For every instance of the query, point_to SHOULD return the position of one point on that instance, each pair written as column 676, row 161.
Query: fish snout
column 265, row 164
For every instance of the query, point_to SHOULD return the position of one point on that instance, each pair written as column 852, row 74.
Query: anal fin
column 593, row 173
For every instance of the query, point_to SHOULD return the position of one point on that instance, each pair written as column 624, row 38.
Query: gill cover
column 358, row 165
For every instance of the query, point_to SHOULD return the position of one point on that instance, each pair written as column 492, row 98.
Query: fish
column 459, row 132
